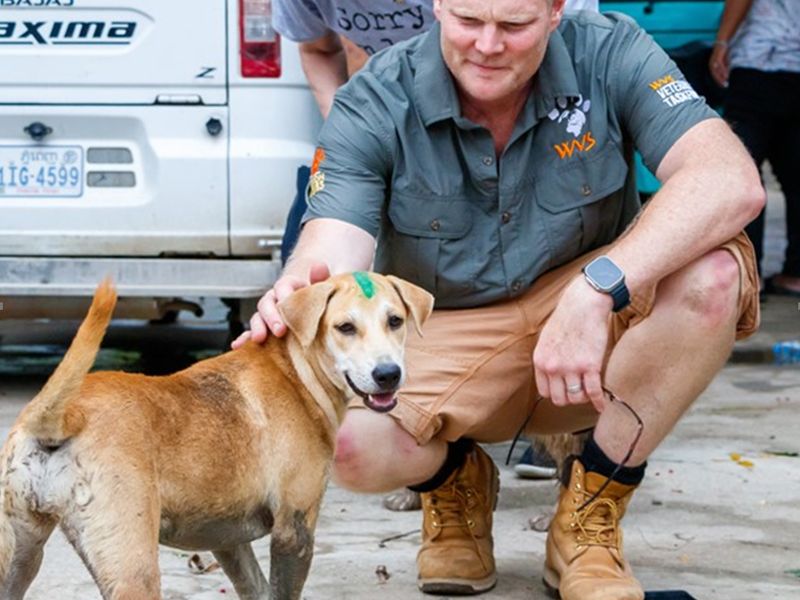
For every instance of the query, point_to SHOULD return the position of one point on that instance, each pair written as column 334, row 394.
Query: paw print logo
column 573, row 113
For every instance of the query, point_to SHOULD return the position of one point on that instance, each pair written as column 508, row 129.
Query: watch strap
column 621, row 296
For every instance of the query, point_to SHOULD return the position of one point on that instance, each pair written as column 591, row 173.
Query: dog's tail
column 45, row 416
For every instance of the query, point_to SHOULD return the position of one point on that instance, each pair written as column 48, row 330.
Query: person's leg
column 375, row 454
column 292, row 230
column 677, row 350
column 784, row 156
column 469, row 379
column 659, row 366
column 745, row 114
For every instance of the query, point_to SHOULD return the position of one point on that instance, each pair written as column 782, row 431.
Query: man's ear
column 302, row 310
column 418, row 302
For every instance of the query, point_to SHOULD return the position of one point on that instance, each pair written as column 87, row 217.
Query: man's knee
column 707, row 289
column 369, row 448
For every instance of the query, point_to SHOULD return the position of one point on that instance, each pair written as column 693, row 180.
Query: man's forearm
column 341, row 246
column 711, row 191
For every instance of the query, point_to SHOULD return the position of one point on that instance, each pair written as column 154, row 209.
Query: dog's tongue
column 381, row 403
column 382, row 399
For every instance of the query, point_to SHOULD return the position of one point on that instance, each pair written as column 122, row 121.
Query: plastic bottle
column 787, row 352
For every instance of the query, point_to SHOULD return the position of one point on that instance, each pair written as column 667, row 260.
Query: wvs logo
column 567, row 149
column 673, row 91
column 575, row 116
column 45, row 33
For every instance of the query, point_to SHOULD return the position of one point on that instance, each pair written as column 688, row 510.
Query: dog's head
column 357, row 323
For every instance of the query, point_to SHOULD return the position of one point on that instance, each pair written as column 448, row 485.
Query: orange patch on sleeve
column 319, row 156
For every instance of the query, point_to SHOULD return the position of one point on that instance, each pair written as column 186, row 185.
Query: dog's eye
column 346, row 328
column 395, row 322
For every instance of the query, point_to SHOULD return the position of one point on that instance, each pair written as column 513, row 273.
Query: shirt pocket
column 428, row 244
column 579, row 209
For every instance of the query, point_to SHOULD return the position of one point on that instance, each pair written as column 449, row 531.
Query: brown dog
column 113, row 458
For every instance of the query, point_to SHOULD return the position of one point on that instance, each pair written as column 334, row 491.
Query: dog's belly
column 214, row 534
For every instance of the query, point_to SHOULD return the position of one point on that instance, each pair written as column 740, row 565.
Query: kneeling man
column 489, row 161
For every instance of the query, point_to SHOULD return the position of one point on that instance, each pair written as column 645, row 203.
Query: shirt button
column 586, row 189
column 516, row 285
column 505, row 217
column 435, row 225
column 488, row 161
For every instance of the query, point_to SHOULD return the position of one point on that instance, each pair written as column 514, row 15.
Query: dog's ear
column 302, row 310
column 418, row 302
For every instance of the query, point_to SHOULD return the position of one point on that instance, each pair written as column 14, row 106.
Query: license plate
column 41, row 171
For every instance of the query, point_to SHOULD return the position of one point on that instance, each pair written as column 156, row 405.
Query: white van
column 156, row 141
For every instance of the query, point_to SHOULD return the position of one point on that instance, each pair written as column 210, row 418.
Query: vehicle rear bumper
column 137, row 277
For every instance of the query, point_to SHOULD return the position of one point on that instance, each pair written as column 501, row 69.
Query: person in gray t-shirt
column 370, row 25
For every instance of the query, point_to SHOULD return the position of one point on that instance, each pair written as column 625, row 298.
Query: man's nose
column 489, row 40
column 387, row 375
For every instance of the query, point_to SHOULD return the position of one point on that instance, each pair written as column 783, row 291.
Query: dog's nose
column 387, row 375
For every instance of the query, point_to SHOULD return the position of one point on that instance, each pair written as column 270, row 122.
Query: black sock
column 594, row 459
column 456, row 454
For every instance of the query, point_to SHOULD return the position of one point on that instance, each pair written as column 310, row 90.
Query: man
column 335, row 38
column 757, row 55
column 451, row 151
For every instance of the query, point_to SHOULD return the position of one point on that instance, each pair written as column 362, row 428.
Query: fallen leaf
column 745, row 463
column 735, row 457
column 382, row 574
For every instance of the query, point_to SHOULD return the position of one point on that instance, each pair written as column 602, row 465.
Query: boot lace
column 452, row 506
column 598, row 524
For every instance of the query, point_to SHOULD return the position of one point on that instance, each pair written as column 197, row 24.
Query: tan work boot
column 456, row 555
column 584, row 558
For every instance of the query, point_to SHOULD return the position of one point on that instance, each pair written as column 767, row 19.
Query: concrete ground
column 718, row 514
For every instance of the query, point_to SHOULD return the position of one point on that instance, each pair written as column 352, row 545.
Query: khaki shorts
column 472, row 374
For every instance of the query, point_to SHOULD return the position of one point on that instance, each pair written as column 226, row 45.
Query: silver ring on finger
column 575, row 388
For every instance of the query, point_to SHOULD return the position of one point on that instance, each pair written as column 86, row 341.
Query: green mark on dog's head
column 365, row 283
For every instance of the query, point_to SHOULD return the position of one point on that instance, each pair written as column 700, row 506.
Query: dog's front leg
column 241, row 567
column 291, row 550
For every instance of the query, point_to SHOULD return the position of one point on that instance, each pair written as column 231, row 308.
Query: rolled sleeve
column 298, row 20
column 352, row 167
column 652, row 97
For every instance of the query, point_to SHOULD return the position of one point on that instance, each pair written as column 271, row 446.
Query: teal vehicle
column 685, row 29
column 672, row 23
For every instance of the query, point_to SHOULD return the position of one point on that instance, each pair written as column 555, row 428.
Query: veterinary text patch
column 673, row 91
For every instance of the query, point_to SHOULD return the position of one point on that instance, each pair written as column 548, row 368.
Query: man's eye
column 395, row 322
column 469, row 21
column 346, row 328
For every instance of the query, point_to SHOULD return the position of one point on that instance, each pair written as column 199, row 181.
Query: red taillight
column 260, row 45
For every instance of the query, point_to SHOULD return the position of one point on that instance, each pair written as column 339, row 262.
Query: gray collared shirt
column 397, row 159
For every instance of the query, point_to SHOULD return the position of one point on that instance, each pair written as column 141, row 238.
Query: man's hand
column 569, row 354
column 267, row 319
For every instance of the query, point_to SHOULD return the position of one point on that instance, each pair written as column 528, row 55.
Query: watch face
column 604, row 273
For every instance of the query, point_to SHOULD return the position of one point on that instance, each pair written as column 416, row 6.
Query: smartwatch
column 606, row 277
